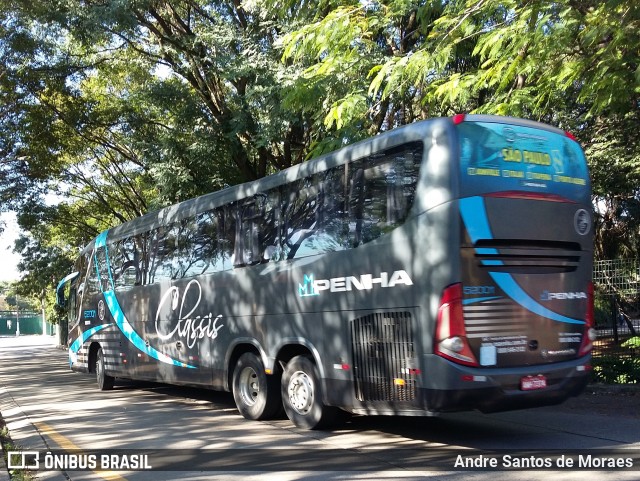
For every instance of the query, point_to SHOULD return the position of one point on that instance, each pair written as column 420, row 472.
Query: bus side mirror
column 60, row 299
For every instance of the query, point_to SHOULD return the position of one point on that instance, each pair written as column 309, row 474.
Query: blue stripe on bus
column 473, row 300
column 118, row 314
column 487, row 251
column 106, row 257
column 134, row 338
column 508, row 284
column 489, row 262
column 77, row 344
column 68, row 278
column 101, row 240
column 474, row 217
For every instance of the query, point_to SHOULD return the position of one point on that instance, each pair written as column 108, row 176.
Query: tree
column 121, row 109
column 12, row 300
column 572, row 64
column 118, row 108
column 4, row 289
column 223, row 53
column 41, row 266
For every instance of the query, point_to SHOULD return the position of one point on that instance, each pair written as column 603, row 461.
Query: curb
column 4, row 471
column 24, row 435
column 624, row 389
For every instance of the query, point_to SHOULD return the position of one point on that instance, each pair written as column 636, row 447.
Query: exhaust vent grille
column 383, row 347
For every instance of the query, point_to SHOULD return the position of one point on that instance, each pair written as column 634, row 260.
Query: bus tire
column 105, row 382
column 257, row 395
column 302, row 395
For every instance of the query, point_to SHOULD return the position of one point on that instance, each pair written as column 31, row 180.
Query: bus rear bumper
column 460, row 388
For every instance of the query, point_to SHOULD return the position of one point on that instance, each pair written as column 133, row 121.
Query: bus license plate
column 530, row 383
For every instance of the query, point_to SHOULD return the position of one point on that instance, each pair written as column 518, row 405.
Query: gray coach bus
column 441, row 266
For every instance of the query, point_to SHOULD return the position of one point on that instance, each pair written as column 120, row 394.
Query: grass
column 8, row 445
column 617, row 363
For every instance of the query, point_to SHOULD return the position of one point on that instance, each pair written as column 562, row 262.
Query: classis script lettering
column 188, row 327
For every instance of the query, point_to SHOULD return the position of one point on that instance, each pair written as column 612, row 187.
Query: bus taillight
column 451, row 338
column 570, row 135
column 590, row 334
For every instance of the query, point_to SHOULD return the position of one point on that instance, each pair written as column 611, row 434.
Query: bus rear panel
column 515, row 330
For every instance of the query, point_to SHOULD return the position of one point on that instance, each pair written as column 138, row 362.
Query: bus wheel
column 105, row 382
column 302, row 395
column 257, row 395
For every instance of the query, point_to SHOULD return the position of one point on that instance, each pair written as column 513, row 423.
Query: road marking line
column 68, row 445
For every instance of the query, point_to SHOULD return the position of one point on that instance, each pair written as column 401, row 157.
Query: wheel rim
column 300, row 392
column 249, row 386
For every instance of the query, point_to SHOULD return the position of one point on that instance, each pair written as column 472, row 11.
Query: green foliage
column 7, row 444
column 576, row 66
column 602, row 310
column 616, row 370
column 122, row 107
column 11, row 298
column 620, row 365
column 633, row 343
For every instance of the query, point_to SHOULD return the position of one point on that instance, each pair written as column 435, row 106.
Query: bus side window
column 190, row 244
column 356, row 203
column 314, row 215
column 382, row 189
column 232, row 234
column 269, row 225
column 125, row 263
column 247, row 251
column 104, row 283
column 300, row 203
column 208, row 242
column 81, row 267
column 227, row 233
column 163, row 253
column 143, row 243
column 256, row 237
column 185, row 259
column 166, row 244
column 93, row 286
column 72, row 305
column 334, row 224
column 154, row 255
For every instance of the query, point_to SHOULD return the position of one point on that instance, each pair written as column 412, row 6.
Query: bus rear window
column 496, row 157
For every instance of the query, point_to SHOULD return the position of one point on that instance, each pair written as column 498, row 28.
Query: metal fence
column 616, row 352
column 14, row 323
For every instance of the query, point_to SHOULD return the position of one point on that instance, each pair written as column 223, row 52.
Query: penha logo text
column 313, row 287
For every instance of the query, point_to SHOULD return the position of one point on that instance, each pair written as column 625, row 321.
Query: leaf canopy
column 109, row 109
